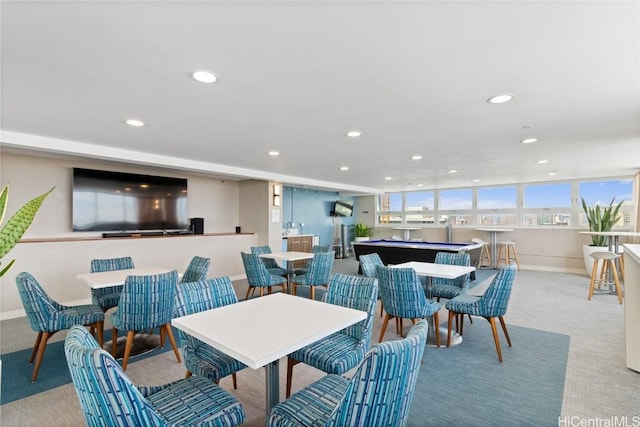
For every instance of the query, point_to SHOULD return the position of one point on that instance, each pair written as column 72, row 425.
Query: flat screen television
column 343, row 208
column 115, row 201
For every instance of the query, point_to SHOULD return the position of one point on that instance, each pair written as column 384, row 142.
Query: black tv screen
column 343, row 208
column 115, row 201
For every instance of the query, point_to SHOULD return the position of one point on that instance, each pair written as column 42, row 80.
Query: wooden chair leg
column 100, row 327
column 188, row 374
column 504, row 329
column 515, row 257
column 451, row 314
column 127, row 349
column 36, row 346
column 172, row 340
column 248, row 291
column 290, row 364
column 234, row 377
column 616, row 281
column 42, row 347
column 594, row 272
column 436, row 324
column 496, row 339
column 387, row 317
column 114, row 342
column 312, row 292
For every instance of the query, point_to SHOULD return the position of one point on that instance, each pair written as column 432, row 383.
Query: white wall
column 56, row 258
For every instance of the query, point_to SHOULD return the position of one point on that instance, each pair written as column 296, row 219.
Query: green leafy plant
column 362, row 230
column 601, row 218
column 13, row 230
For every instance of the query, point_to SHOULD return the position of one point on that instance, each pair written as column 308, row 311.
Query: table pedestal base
column 273, row 384
column 456, row 338
column 142, row 343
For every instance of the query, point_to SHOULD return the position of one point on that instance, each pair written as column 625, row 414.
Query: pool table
column 399, row 251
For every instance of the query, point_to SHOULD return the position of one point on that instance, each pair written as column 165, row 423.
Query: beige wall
column 56, row 264
column 257, row 215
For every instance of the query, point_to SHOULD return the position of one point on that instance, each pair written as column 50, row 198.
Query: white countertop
column 632, row 250
column 286, row 236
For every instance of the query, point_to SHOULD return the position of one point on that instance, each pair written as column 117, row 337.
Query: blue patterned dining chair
column 314, row 249
column 404, row 298
column 450, row 288
column 270, row 263
column 343, row 350
column 378, row 394
column 146, row 302
column 108, row 297
column 368, row 264
column 258, row 275
column 109, row 398
column 493, row 303
column 46, row 316
column 317, row 274
column 196, row 270
column 199, row 358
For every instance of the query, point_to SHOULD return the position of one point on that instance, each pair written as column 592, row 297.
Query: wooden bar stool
column 507, row 253
column 609, row 262
column 485, row 256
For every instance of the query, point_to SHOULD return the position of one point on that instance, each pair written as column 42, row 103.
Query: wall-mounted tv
column 343, row 208
column 115, row 201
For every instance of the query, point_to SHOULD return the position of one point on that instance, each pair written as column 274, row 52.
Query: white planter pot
column 361, row 239
column 588, row 261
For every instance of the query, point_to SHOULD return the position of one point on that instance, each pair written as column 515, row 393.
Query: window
column 531, row 204
column 603, row 192
column 492, row 200
column 547, row 204
column 390, row 208
column 457, row 200
column 497, row 198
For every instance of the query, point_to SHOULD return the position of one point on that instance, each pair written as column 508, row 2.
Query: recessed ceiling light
column 553, row 173
column 344, row 168
column 476, row 180
column 529, row 140
column 274, row 153
column 452, row 171
column 541, row 162
column 500, row 99
column 420, row 185
column 134, row 122
column 205, row 77
column 416, row 157
column 388, row 178
column 353, row 133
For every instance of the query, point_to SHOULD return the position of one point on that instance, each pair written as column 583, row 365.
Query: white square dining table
column 104, row 279
column 259, row 331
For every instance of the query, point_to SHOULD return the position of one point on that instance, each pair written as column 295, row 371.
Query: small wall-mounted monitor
column 343, row 208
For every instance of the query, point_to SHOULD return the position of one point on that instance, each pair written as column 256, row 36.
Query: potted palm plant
column 13, row 230
column 362, row 232
column 600, row 218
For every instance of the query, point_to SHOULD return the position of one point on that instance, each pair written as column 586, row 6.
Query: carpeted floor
column 465, row 385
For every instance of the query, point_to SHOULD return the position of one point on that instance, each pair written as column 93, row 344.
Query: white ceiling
column 294, row 77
